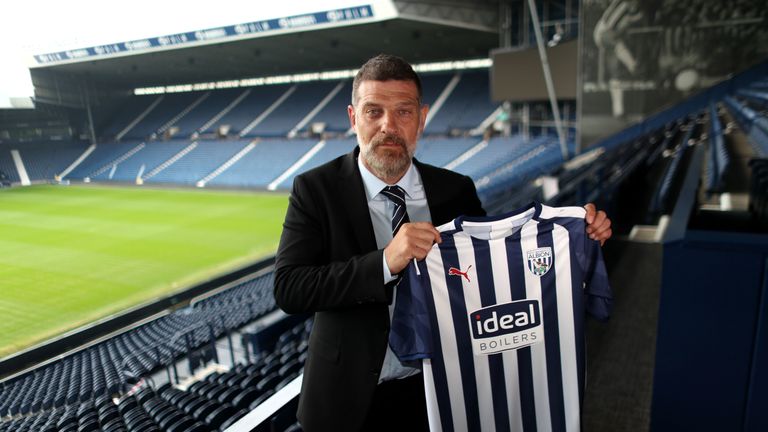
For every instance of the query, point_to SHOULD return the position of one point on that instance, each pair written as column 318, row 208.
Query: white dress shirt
column 381, row 210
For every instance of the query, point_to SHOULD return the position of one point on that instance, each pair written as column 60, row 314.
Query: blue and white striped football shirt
column 496, row 315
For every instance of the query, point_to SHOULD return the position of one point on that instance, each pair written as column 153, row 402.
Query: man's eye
column 373, row 112
column 406, row 112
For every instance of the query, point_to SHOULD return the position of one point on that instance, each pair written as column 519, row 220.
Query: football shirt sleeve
column 410, row 335
column 597, row 288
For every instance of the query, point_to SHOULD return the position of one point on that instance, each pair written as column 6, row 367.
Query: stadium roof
column 420, row 31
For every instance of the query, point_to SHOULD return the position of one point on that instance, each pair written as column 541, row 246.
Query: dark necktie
column 396, row 194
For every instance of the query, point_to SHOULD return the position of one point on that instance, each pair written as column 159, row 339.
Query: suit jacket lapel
column 355, row 202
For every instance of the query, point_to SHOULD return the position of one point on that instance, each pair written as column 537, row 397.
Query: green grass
column 71, row 255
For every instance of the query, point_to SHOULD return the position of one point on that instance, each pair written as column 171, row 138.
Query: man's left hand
column 598, row 224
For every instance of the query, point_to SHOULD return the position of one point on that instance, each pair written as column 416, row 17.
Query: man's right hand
column 414, row 240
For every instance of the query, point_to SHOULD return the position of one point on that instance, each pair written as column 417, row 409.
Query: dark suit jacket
column 328, row 263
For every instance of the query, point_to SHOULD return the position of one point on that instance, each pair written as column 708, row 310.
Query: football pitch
column 70, row 255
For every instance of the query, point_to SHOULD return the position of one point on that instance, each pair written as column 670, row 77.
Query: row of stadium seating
column 719, row 159
column 211, row 403
column 751, row 120
column 496, row 164
column 7, row 166
column 541, row 157
column 654, row 161
column 135, row 145
column 663, row 155
column 663, row 198
column 106, row 368
column 460, row 102
column 42, row 160
column 265, row 163
column 748, row 106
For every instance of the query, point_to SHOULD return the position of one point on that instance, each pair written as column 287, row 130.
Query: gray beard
column 386, row 166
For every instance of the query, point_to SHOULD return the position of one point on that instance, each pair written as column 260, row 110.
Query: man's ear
column 352, row 120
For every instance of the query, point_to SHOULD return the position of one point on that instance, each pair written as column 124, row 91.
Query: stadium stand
column 718, row 154
column 255, row 102
column 43, row 161
column 331, row 149
column 7, row 166
column 155, row 122
column 541, row 157
column 466, row 107
column 197, row 163
column 231, row 164
column 222, row 130
column 499, row 151
column 5, row 181
column 432, row 85
column 262, row 165
column 757, row 97
column 663, row 198
column 440, row 151
column 144, row 161
column 755, row 126
column 101, row 160
column 332, row 116
column 121, row 367
column 290, row 112
column 200, row 114
column 266, row 113
column 132, row 109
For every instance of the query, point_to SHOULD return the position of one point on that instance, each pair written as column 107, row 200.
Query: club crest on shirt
column 539, row 260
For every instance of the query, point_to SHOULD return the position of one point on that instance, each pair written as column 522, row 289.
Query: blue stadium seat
column 215, row 102
column 292, row 110
column 255, row 103
column 754, row 125
column 43, row 161
column 333, row 115
column 440, row 151
column 466, row 108
column 268, row 160
column 198, row 163
column 170, row 106
column 82, row 385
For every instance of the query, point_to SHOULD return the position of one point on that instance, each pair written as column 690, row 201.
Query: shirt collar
column 373, row 185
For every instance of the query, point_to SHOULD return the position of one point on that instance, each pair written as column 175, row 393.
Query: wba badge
column 539, row 260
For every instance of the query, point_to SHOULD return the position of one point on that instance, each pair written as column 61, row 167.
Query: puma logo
column 453, row 271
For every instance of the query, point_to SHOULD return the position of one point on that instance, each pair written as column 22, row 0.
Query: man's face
column 388, row 121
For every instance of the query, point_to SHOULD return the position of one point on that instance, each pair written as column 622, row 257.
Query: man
column 338, row 258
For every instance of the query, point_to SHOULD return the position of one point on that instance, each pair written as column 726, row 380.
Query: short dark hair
column 385, row 67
